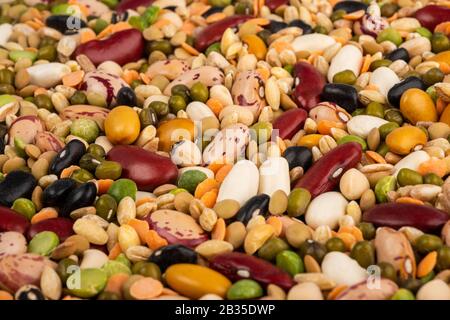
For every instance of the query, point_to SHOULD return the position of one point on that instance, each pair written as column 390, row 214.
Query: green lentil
column 244, row 289
column 290, row 262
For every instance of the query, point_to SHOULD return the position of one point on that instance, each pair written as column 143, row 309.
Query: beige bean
column 211, row 248
column 126, row 210
column 127, row 237
column 235, row 234
column 91, row 231
column 257, row 236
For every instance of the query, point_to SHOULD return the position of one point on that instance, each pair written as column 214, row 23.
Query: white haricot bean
column 348, row 58
column 93, row 258
column 126, row 210
column 411, row 161
column 274, row 175
column 186, row 153
column 312, row 42
column 47, row 75
column 326, row 209
column 384, row 78
column 342, row 269
column 6, row 31
column 197, row 111
column 361, row 125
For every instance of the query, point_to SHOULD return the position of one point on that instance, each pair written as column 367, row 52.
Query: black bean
column 65, row 23
column 82, row 196
column 257, row 205
column 29, row 292
column 211, row 11
column 126, row 97
column 343, row 95
column 302, row 25
column 69, row 155
column 395, row 93
column 275, row 26
column 55, row 194
column 398, row 54
column 17, row 184
column 172, row 254
column 297, row 156
column 350, row 6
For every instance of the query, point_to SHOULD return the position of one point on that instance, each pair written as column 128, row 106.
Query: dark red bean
column 430, row 16
column 124, row 5
column 325, row 174
column 61, row 226
column 148, row 169
column 12, row 221
column 273, row 4
column 122, row 47
column 397, row 215
column 236, row 266
column 309, row 85
column 213, row 32
column 290, row 122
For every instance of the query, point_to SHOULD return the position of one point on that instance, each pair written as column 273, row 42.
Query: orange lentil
column 223, row 172
column 154, row 240
column 205, row 186
column 219, row 230
column 141, row 227
column 103, row 185
column 434, row 165
column 427, row 264
column 67, row 172
column 115, row 283
column 209, row 198
column 215, row 105
column 44, row 214
column 409, row 200
column 276, row 224
column 114, row 252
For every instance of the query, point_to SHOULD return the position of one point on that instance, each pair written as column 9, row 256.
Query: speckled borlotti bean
column 207, row 75
column 248, row 91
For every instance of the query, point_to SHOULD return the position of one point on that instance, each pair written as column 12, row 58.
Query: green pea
column 290, row 262
column 78, row 98
column 81, row 176
column 86, row 129
column 345, row 77
column 335, row 244
column 428, row 277
column 424, row 32
column 443, row 260
column 244, row 289
column 320, row 29
column 177, row 191
column 427, row 243
column 199, row 92
column 15, row 55
column 338, row 14
column 114, row 267
column 147, row 269
column 382, row 149
column 271, row 248
column 47, row 41
column 143, row 69
column 89, row 162
column 25, row 207
column 177, row 103
column 358, row 112
column 190, row 179
column 243, row 8
column 432, row 178
column 43, row 101
column 108, row 170
column 219, row 3
column 100, row 25
column 214, row 47
column 181, row 90
column 262, row 131
column 433, row 76
column 387, row 128
column 137, row 22
column 375, row 109
column 289, row 68
column 431, row 91
column 96, row 150
column 389, row 9
column 6, row 76
column 390, row 34
column 411, row 73
column 65, row 268
column 159, row 107
column 47, row 53
column 403, row 294
column 298, row 201
column 408, row 177
column 19, row 146
column 160, row 45
column 439, row 42
column 368, row 230
column 352, row 138
column 122, row 258
column 43, row 243
column 135, row 83
column 379, row 63
column 106, row 207
column 364, row 253
column 123, row 188
column 314, row 249
column 387, row 271
column 148, row 117
column 87, row 283
column 383, row 186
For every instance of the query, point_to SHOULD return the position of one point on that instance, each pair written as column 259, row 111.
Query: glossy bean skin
column 397, row 215
column 257, row 205
column 398, row 54
column 55, row 194
column 430, row 16
column 148, row 169
column 213, row 32
column 172, row 254
column 325, row 174
column 309, row 85
column 343, row 95
column 132, row 4
column 350, row 6
column 298, row 156
column 122, row 47
column 290, row 122
column 61, row 226
column 69, row 155
column 62, row 23
column 273, row 4
column 396, row 92
column 236, row 266
column 82, row 196
column 12, row 221
column 17, row 184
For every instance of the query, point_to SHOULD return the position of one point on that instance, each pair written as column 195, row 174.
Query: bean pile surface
column 224, row 149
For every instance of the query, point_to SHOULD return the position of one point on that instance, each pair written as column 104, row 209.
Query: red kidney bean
column 124, row 5
column 61, row 226
column 290, row 122
column 430, row 16
column 397, row 215
column 309, row 85
column 122, row 47
column 236, row 266
column 213, row 32
column 273, row 4
column 12, row 221
column 324, row 175
column 17, row 184
column 148, row 169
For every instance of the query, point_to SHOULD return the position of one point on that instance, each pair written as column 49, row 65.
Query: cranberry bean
column 61, row 226
column 12, row 221
column 290, row 122
column 309, row 85
column 430, row 16
column 17, row 184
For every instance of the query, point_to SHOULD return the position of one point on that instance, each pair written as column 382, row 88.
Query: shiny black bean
column 395, row 93
column 29, row 292
column 398, row 54
column 69, row 155
column 211, row 11
column 350, row 6
column 172, row 254
column 343, row 95
column 298, row 157
column 302, row 25
column 82, row 196
column 257, row 205
column 65, row 23
column 126, row 97
column 17, row 184
column 2, row 145
column 55, row 194
column 275, row 26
